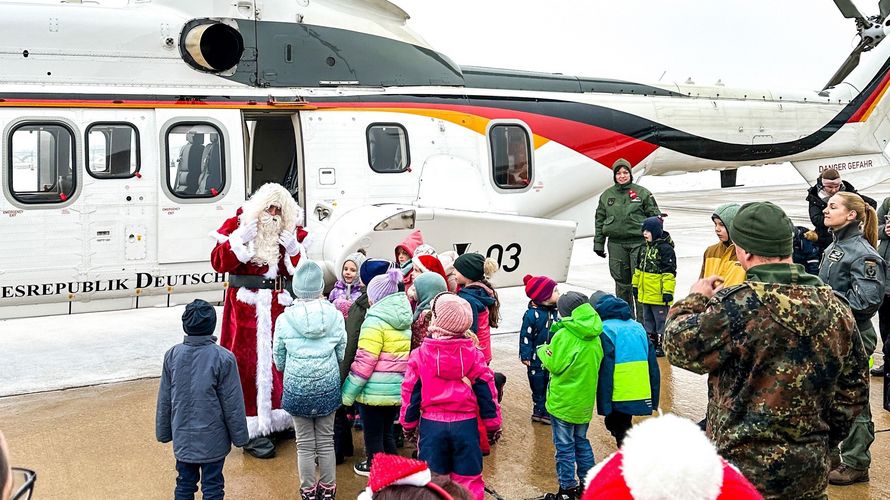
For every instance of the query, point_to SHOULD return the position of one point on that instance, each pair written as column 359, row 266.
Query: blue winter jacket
column 310, row 341
column 628, row 358
column 535, row 331
column 200, row 405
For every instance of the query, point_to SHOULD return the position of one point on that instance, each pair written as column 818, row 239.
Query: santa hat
column 423, row 249
column 392, row 470
column 667, row 457
column 428, row 263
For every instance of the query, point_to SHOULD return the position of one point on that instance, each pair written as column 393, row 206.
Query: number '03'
column 507, row 258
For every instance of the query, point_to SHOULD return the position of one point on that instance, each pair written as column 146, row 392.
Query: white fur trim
column 289, row 265
column 669, row 457
column 243, row 253
column 262, row 300
column 366, row 494
column 308, row 241
column 272, row 272
column 281, row 420
column 218, row 237
column 421, row 478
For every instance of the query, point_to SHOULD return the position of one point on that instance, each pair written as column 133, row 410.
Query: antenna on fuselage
column 871, row 32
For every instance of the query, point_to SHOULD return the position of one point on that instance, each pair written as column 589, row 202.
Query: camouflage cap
column 763, row 229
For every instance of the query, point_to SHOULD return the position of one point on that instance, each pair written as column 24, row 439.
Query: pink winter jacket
column 447, row 380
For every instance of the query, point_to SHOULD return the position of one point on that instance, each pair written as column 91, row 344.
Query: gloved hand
column 410, row 435
column 494, row 436
column 248, row 232
column 289, row 241
column 601, row 253
column 667, row 297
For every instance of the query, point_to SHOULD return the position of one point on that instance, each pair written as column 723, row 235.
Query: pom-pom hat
column 392, row 470
column 451, row 313
column 384, row 285
column 538, row 288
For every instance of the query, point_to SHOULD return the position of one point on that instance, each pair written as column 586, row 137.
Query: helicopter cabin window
column 112, row 150
column 195, row 160
column 388, row 148
column 511, row 156
column 41, row 163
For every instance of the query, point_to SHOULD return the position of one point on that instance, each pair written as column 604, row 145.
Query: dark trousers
column 450, row 447
column 378, row 429
column 210, row 475
column 537, row 382
column 884, row 323
column 617, row 424
column 343, row 446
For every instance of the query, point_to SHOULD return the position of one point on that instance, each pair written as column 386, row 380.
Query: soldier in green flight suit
column 619, row 217
column 786, row 365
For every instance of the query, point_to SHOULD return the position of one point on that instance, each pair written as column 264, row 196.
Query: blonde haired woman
column 853, row 268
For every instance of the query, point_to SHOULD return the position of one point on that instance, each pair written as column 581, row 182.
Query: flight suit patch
column 610, row 202
column 871, row 269
column 836, row 255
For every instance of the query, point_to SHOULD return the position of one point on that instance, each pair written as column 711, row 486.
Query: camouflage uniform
column 787, row 374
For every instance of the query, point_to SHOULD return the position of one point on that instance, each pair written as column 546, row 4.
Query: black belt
column 258, row 282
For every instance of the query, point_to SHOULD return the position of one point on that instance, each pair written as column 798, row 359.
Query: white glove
column 289, row 241
column 248, row 232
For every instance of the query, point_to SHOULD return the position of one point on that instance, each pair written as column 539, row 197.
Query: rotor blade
column 884, row 5
column 845, row 69
column 848, row 9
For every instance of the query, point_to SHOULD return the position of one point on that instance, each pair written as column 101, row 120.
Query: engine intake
column 211, row 46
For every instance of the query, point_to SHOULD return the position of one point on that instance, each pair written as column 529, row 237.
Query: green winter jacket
column 656, row 274
column 620, row 213
column 573, row 359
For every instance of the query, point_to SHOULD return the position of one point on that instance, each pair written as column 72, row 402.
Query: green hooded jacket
column 573, row 359
column 621, row 212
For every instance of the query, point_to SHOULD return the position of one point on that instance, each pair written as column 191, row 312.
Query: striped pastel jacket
column 375, row 377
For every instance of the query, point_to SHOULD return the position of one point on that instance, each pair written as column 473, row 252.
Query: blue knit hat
column 655, row 226
column 199, row 318
column 371, row 268
column 308, row 281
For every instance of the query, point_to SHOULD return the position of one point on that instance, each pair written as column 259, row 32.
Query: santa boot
column 309, row 492
column 325, row 491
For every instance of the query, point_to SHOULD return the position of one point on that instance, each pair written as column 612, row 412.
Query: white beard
column 266, row 242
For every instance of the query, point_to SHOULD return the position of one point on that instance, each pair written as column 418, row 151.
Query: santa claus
column 259, row 248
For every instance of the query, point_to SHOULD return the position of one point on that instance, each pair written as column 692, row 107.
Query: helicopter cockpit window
column 112, row 150
column 511, row 155
column 195, row 161
column 41, row 163
column 388, row 148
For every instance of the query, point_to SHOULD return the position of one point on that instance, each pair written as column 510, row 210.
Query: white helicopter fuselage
column 127, row 226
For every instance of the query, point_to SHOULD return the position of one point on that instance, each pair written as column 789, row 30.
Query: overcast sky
column 795, row 44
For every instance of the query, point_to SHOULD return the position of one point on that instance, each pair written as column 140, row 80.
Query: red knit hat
column 538, row 288
column 430, row 263
column 391, row 470
column 667, row 457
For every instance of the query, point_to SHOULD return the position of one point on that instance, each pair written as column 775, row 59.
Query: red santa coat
column 248, row 326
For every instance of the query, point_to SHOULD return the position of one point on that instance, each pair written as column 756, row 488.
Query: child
column 405, row 252
column 447, row 259
column 375, row 378
column 573, row 359
column 654, row 279
column 427, row 286
column 447, row 382
column 629, row 378
column 397, row 478
column 310, row 341
column 472, row 272
column 423, row 264
column 200, row 405
column 343, row 446
column 805, row 252
column 349, row 286
column 720, row 258
column 535, row 332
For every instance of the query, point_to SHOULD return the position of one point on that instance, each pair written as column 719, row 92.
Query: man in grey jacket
column 202, row 428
